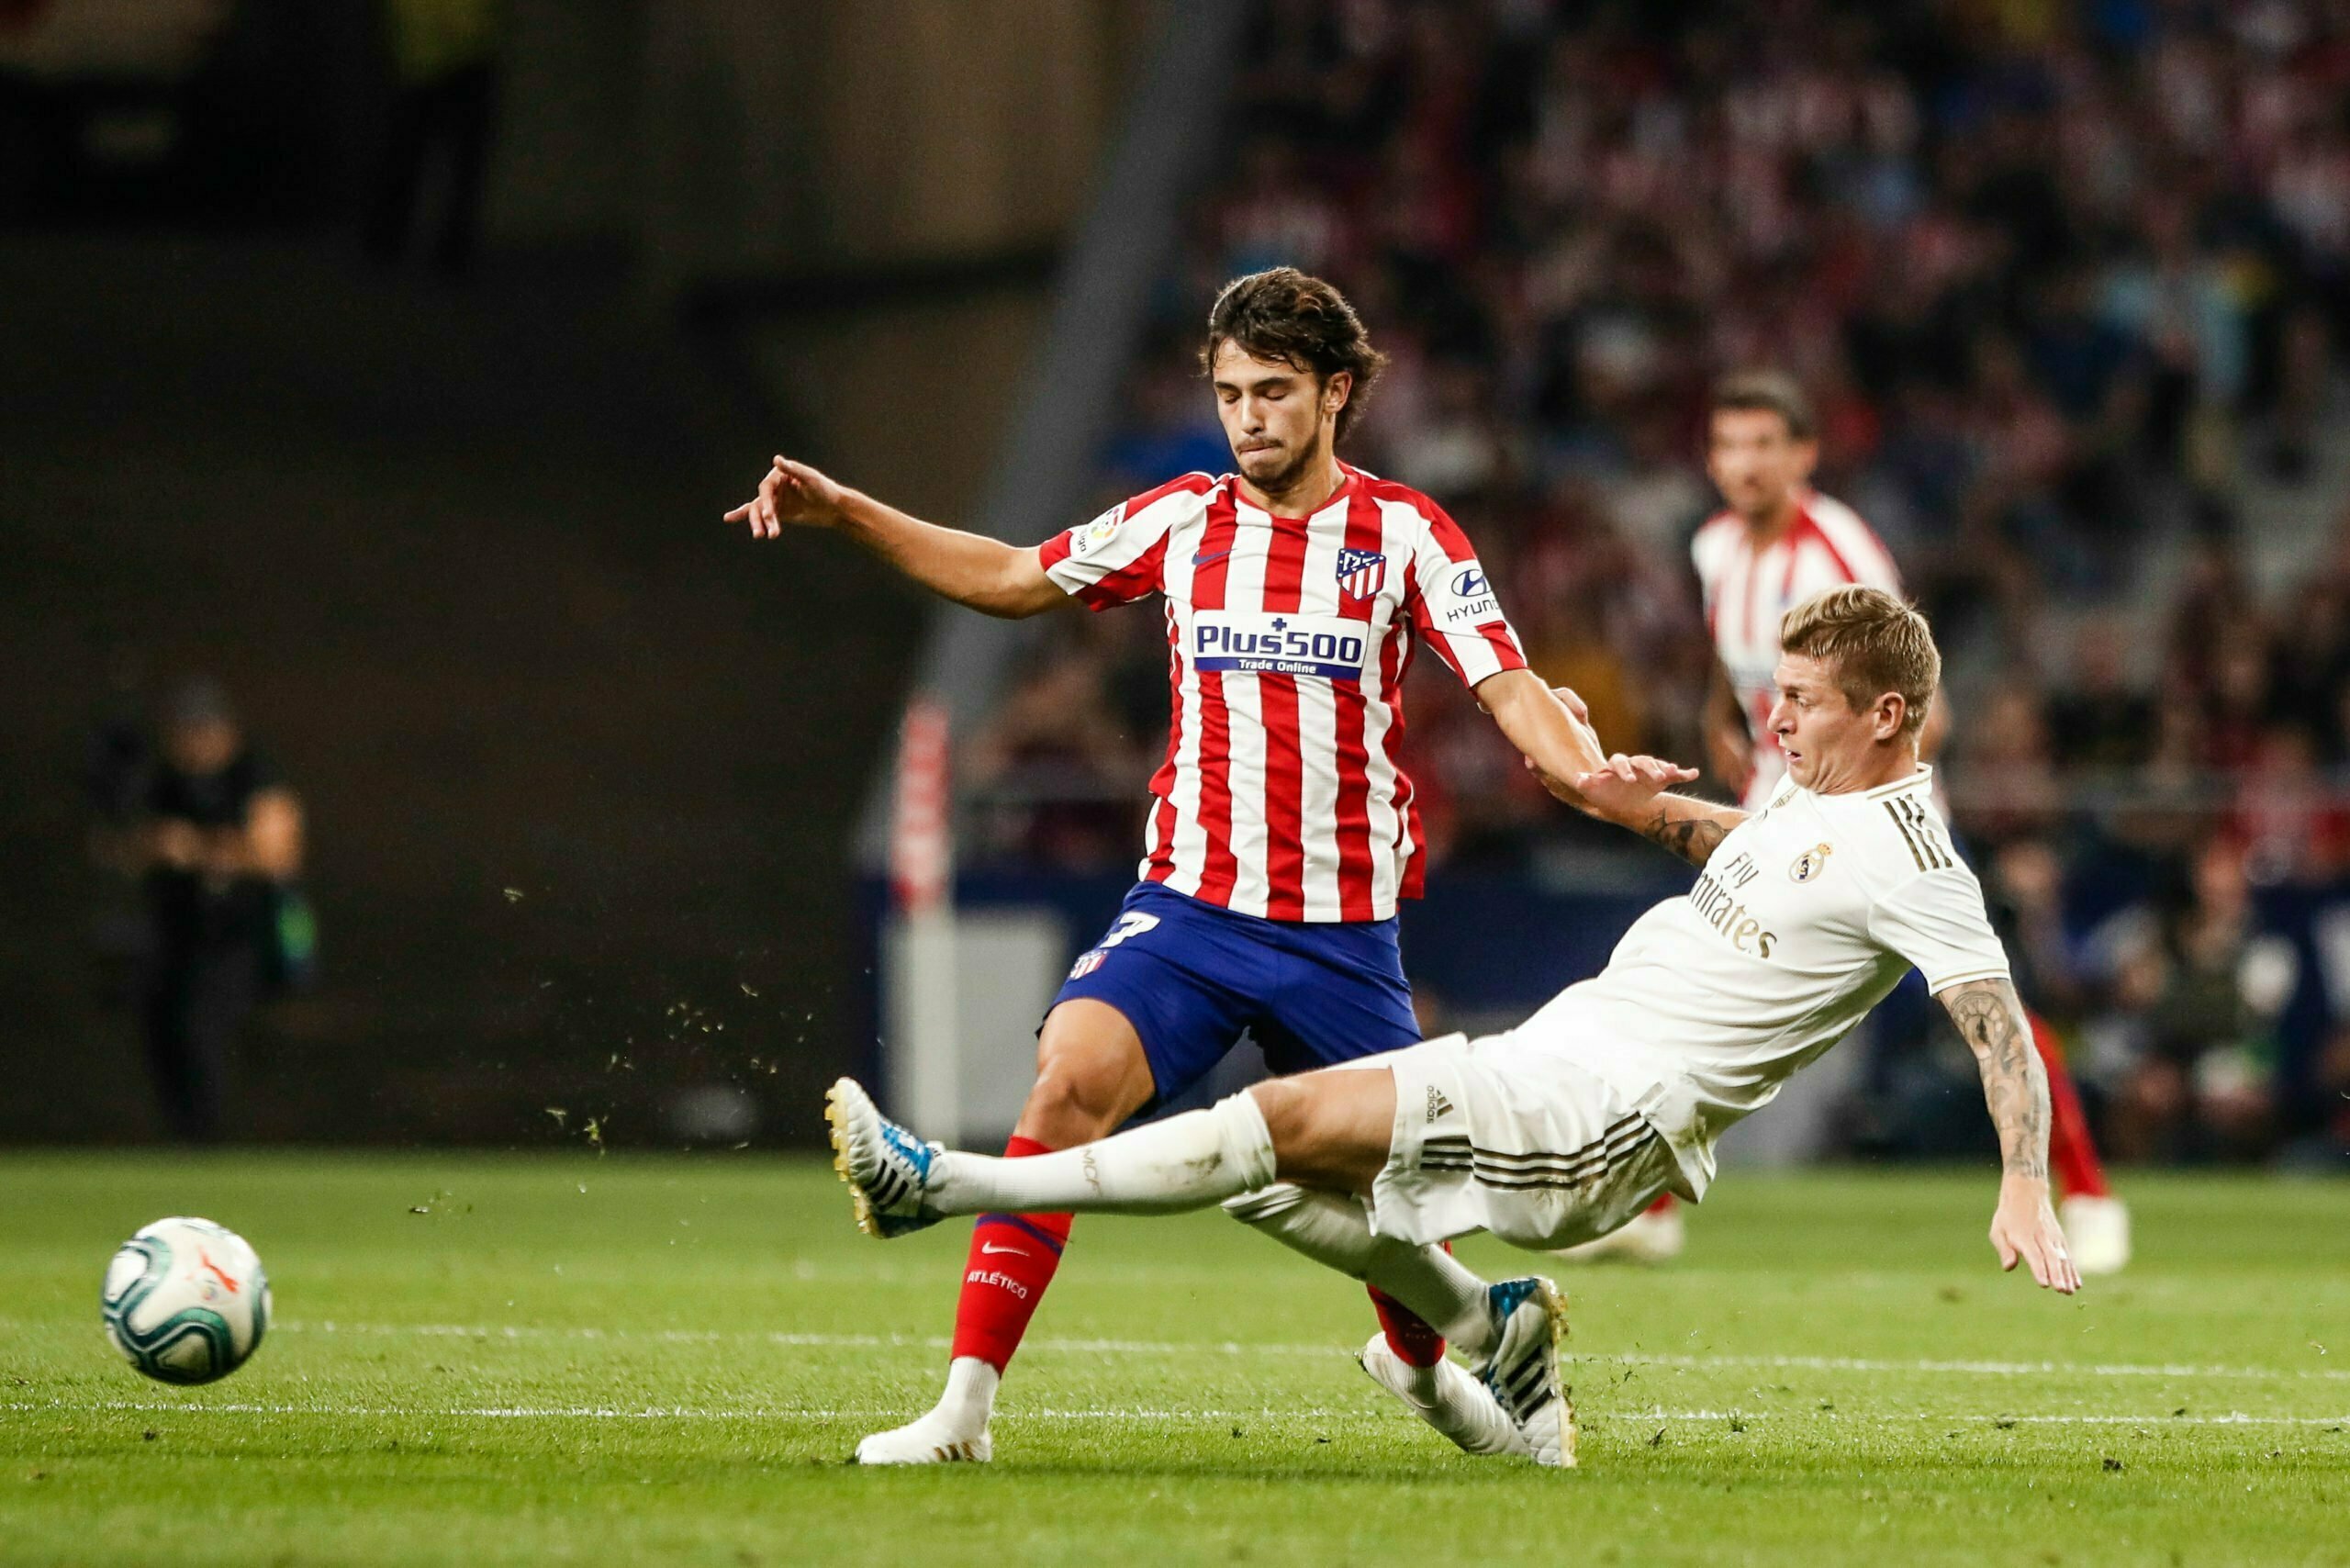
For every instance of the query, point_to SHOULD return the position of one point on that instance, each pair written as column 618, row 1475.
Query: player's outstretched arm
column 1630, row 792
column 988, row 575
column 1551, row 729
column 1990, row 1018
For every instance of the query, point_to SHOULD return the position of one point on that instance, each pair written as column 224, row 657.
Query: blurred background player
column 1284, row 832
column 219, row 838
column 1777, row 543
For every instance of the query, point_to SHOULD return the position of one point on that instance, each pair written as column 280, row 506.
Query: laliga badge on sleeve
column 1099, row 531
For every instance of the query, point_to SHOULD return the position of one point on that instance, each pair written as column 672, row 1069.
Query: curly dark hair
column 1291, row 318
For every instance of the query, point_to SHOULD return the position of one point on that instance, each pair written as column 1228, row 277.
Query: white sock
column 1184, row 1162
column 969, row 1396
column 1332, row 1229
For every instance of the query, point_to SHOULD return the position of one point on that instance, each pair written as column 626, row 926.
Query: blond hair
column 1874, row 644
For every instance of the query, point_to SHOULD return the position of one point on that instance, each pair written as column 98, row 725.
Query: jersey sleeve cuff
column 1936, row 986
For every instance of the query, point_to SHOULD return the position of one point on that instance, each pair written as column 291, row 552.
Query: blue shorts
column 1191, row 977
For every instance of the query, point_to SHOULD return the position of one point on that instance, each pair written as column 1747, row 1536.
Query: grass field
column 570, row 1360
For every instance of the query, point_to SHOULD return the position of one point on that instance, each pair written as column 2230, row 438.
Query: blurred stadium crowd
column 2063, row 281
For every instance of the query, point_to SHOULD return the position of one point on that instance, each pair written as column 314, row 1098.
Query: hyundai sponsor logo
column 1467, row 598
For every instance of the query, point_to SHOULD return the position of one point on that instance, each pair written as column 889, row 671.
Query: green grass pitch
column 634, row 1360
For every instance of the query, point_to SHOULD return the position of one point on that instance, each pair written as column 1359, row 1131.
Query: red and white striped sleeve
column 1121, row 556
column 1453, row 605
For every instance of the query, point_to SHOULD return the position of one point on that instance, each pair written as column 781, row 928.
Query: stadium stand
column 2065, row 283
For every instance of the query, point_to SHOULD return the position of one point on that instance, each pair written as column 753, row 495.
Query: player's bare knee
column 1088, row 1082
column 1288, row 1114
column 1297, row 1127
column 1069, row 1105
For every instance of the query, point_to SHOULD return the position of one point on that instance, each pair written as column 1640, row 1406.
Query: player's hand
column 1628, row 783
column 2024, row 1229
column 791, row 493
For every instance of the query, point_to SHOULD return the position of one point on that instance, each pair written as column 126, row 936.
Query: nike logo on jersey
column 1208, row 560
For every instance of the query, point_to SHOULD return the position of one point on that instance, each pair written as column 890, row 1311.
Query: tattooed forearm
column 1691, row 829
column 1991, row 1021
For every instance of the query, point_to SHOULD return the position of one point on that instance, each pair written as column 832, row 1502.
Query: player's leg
column 1091, row 1076
column 1334, row 1229
column 1133, row 1019
column 2097, row 1223
column 1341, row 998
column 1334, row 1131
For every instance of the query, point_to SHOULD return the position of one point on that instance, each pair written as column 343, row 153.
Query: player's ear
column 1337, row 390
column 1887, row 719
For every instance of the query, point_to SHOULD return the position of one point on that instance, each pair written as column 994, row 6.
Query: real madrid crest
column 1810, row 863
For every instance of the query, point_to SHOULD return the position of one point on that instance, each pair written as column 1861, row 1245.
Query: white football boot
column 1447, row 1398
column 1522, row 1374
column 2098, row 1232
column 886, row 1167
column 1652, row 1236
column 956, row 1429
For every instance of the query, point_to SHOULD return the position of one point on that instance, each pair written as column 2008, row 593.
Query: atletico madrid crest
column 1361, row 573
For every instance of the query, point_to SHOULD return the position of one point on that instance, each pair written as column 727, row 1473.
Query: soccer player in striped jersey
column 1294, row 591
column 1777, row 543
column 1805, row 915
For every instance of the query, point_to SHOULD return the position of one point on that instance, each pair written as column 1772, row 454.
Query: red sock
column 1011, row 1260
column 2070, row 1148
column 1662, row 1204
column 1416, row 1344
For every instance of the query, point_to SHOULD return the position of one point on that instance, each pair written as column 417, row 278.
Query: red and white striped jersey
column 1288, row 638
column 1748, row 592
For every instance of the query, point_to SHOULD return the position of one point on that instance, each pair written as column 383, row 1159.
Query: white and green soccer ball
column 185, row 1301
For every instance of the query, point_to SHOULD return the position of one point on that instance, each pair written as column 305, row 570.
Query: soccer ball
column 185, row 1301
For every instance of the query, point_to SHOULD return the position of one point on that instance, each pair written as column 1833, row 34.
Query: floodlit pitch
column 672, row 1365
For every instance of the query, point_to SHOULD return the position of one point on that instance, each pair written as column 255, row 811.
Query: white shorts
column 1496, row 1135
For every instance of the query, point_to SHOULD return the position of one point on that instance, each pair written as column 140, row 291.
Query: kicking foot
column 886, row 1167
column 2098, row 1231
column 1652, row 1236
column 937, row 1438
column 1523, row 1372
column 1447, row 1398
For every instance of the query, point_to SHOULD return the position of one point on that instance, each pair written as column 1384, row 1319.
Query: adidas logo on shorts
column 1437, row 1105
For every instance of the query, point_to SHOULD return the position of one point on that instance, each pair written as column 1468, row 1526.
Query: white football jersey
column 1805, row 915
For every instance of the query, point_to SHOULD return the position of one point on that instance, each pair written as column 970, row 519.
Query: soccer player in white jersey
column 1808, row 910
column 1295, row 591
column 1777, row 543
